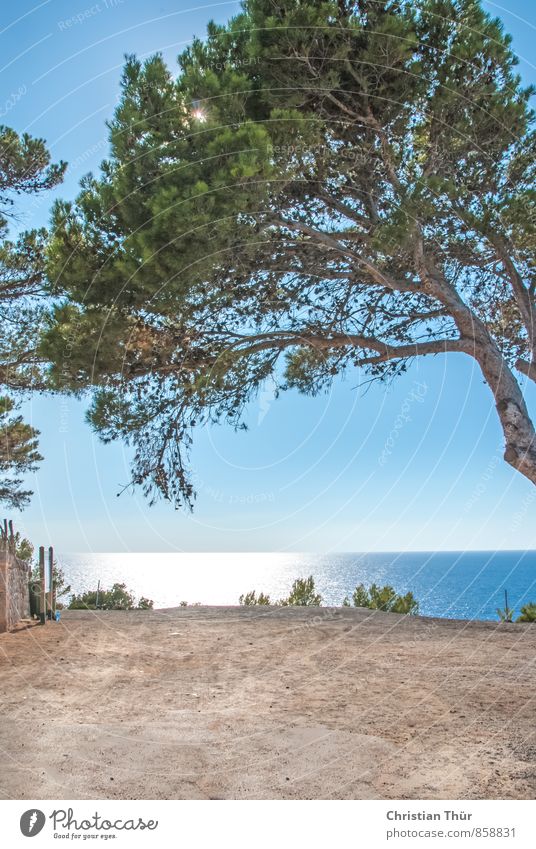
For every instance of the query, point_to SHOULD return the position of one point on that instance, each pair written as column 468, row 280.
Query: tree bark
column 529, row 369
column 518, row 428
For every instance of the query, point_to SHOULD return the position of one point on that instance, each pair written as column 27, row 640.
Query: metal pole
column 51, row 583
column 42, row 591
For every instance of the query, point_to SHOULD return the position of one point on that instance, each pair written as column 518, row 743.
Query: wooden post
column 51, row 584
column 42, row 593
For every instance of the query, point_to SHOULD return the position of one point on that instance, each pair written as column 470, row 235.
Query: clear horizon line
column 322, row 553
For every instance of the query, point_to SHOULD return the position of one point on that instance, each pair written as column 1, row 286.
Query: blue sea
column 455, row 585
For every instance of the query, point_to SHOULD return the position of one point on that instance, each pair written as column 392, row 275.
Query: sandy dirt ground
column 232, row 703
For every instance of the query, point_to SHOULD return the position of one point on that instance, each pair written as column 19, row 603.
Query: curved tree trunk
column 518, row 428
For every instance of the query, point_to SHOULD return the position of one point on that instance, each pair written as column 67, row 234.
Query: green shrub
column 118, row 598
column 528, row 613
column 61, row 587
column 505, row 615
column 383, row 598
column 361, row 597
column 84, row 601
column 24, row 549
column 302, row 594
column 252, row 598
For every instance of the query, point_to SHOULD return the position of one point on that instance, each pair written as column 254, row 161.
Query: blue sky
column 413, row 466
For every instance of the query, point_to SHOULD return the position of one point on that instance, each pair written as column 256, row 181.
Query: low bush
column 383, row 598
column 252, row 598
column 505, row 614
column 528, row 613
column 302, row 594
column 118, row 598
column 61, row 587
column 24, row 549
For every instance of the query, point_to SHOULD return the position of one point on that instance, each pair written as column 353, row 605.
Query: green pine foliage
column 24, row 549
column 118, row 598
column 18, row 455
column 25, row 168
column 528, row 613
column 385, row 598
column 324, row 186
column 250, row 599
column 302, row 594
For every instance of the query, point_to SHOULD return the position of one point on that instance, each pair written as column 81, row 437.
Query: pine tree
column 18, row 455
column 25, row 169
column 335, row 184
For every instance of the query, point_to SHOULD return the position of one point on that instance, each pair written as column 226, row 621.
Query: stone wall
column 14, row 593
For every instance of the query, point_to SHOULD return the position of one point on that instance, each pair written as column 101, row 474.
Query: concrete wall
column 14, row 594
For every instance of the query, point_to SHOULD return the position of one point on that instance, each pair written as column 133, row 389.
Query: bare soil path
column 267, row 703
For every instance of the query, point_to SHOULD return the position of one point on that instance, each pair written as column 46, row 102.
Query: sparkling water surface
column 456, row 585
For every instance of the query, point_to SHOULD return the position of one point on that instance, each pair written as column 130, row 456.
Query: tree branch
column 385, row 350
column 521, row 293
column 529, row 369
column 327, row 240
